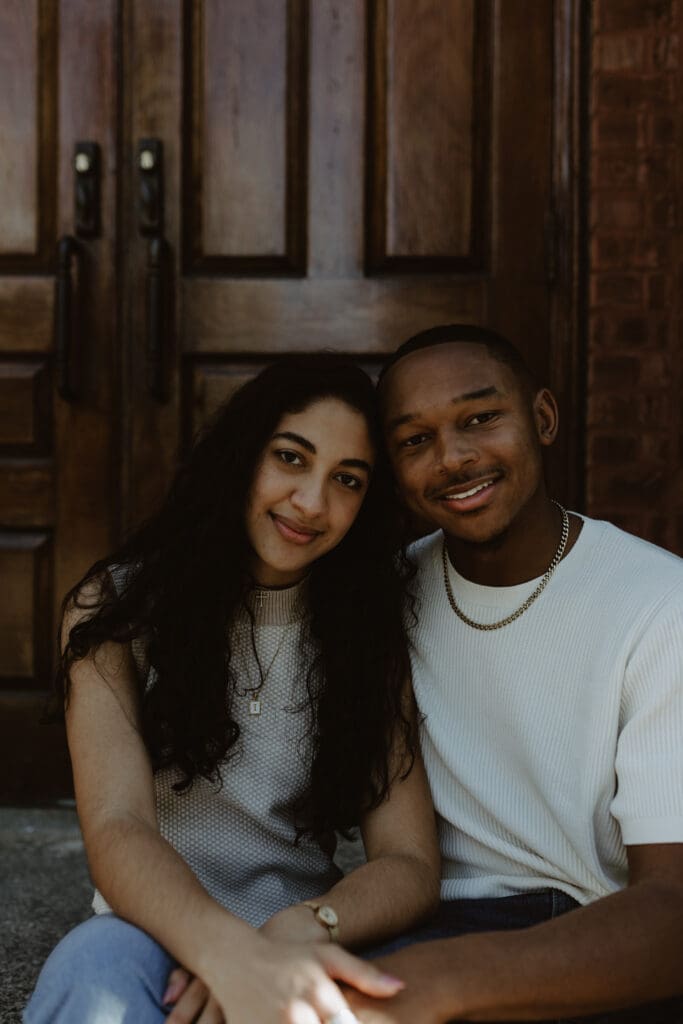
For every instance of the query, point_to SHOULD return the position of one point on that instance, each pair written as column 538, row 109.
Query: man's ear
column 546, row 416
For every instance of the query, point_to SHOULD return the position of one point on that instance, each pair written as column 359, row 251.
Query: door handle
column 67, row 340
column 151, row 187
column 87, row 189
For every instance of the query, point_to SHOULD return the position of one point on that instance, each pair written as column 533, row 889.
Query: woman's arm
column 399, row 884
column 146, row 882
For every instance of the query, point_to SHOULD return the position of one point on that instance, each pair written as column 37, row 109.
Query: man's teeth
column 467, row 494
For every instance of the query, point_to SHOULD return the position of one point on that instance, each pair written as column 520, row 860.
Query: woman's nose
column 309, row 498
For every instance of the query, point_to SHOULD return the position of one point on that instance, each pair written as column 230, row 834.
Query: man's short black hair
column 497, row 346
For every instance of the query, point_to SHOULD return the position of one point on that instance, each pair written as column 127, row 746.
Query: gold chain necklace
column 557, row 557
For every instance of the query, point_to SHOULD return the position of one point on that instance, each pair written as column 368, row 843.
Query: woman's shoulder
column 120, row 574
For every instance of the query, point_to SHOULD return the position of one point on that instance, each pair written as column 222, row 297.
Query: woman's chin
column 280, row 574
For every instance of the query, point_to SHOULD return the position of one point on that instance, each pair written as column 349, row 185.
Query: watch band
column 326, row 916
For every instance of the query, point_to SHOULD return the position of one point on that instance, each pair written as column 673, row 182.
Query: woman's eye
column 289, row 457
column 352, row 482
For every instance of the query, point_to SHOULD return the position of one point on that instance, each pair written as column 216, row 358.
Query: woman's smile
column 292, row 531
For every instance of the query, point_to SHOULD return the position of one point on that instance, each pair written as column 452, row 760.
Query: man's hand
column 422, row 1001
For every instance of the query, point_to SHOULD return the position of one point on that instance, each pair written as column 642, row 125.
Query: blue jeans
column 463, row 917
column 105, row 971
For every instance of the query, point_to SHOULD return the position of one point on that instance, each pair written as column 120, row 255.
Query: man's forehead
column 450, row 371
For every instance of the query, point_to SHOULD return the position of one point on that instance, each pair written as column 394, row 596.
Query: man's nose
column 454, row 451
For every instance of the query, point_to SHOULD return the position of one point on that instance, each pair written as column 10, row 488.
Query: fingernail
column 170, row 994
column 389, row 979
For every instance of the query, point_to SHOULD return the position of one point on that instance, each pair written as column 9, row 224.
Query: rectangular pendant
column 254, row 707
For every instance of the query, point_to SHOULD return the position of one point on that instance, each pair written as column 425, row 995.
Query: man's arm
column 620, row 951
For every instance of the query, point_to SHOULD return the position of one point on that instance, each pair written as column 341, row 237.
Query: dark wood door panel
column 428, row 141
column 27, row 493
column 56, row 462
column 246, row 108
column 25, row 407
column 29, row 140
column 35, row 763
column 26, row 313
column 304, row 315
column 25, row 643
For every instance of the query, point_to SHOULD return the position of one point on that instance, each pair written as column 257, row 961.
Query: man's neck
column 521, row 553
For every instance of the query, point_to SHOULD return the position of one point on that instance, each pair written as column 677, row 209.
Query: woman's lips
column 291, row 532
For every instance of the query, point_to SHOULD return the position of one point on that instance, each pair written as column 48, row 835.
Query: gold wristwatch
column 326, row 916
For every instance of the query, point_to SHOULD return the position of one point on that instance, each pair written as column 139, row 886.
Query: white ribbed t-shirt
column 555, row 741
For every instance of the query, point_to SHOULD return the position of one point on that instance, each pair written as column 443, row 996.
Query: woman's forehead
column 332, row 426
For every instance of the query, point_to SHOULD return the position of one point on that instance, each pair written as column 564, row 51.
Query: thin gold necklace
column 261, row 594
column 254, row 692
column 557, row 558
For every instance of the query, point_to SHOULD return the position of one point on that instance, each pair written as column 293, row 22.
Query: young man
column 548, row 662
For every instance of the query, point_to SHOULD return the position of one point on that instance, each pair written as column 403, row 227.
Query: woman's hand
column 192, row 999
column 295, row 924
column 281, row 984
column 295, row 984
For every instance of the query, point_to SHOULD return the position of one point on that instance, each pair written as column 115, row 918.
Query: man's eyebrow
column 297, row 439
column 468, row 396
column 289, row 435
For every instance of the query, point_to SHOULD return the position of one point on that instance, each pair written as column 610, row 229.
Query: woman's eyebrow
column 357, row 464
column 289, row 435
column 298, row 439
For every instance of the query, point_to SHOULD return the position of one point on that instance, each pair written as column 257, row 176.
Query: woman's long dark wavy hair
column 188, row 570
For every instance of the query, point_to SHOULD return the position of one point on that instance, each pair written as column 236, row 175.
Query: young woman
column 235, row 679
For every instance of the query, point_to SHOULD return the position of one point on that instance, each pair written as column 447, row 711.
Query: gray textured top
column 239, row 838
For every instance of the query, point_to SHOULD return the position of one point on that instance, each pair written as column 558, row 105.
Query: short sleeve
column 146, row 675
column 648, row 803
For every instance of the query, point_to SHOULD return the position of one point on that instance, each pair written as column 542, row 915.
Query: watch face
column 328, row 915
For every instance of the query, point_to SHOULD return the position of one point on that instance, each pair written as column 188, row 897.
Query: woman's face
column 307, row 490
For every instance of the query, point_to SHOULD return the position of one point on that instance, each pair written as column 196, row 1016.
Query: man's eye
column 289, row 457
column 481, row 418
column 413, row 440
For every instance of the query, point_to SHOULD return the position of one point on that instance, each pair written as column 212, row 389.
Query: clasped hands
column 290, row 979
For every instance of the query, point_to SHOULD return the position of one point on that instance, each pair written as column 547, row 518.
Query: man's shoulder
column 643, row 551
column 621, row 556
column 422, row 552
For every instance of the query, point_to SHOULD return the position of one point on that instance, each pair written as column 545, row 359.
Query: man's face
column 464, row 437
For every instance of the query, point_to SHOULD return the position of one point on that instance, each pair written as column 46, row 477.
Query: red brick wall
column 635, row 347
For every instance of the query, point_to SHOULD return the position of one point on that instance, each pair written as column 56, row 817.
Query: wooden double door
column 190, row 188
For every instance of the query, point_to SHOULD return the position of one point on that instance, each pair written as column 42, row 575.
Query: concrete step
column 44, row 891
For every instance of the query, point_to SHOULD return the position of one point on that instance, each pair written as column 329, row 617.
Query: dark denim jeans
column 462, row 917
